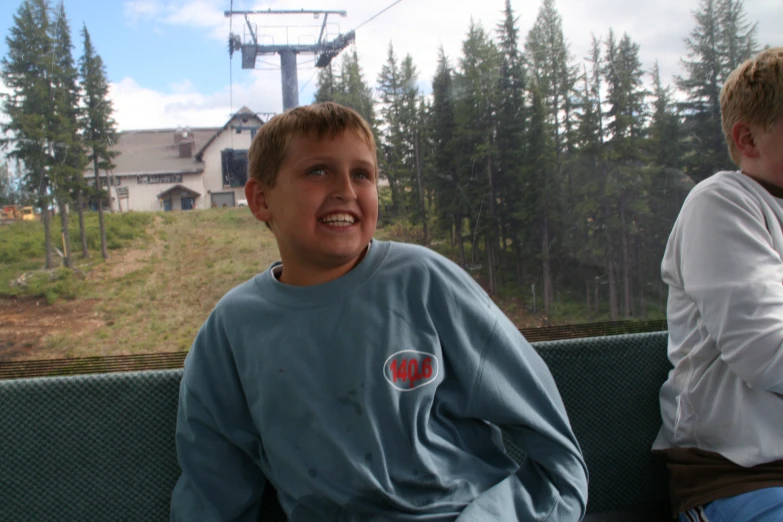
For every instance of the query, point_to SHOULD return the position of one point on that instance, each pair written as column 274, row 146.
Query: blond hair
column 753, row 94
column 271, row 143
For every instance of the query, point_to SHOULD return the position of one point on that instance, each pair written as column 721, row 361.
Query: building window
column 234, row 163
column 159, row 178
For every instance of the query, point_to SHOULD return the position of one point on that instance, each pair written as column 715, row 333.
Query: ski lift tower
column 324, row 50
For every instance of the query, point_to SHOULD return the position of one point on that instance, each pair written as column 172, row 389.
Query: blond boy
column 722, row 405
column 364, row 379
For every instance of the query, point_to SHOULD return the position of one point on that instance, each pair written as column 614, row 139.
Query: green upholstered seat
column 101, row 447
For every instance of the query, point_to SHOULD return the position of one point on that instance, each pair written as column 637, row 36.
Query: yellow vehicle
column 28, row 214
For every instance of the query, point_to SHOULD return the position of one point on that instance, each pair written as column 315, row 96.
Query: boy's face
column 323, row 209
column 770, row 153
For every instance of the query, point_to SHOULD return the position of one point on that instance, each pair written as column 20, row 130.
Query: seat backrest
column 91, row 447
column 610, row 389
column 101, row 447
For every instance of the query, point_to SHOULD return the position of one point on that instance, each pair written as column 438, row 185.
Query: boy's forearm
column 535, row 493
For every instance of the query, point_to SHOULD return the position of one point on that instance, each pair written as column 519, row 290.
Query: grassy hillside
column 165, row 273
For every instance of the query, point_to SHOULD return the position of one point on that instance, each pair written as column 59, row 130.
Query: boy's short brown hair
column 753, row 94
column 270, row 145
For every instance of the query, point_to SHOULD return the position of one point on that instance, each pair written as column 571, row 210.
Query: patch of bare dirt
column 25, row 323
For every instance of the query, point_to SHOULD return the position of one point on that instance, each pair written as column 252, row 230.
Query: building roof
column 181, row 189
column 243, row 116
column 155, row 151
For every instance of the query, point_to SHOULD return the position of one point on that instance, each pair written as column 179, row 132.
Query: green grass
column 168, row 270
column 22, row 253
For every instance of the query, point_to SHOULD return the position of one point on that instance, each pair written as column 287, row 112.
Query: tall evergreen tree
column 26, row 74
column 476, row 111
column 549, row 61
column 539, row 209
column 398, row 94
column 326, row 88
column 450, row 199
column 99, row 127
column 721, row 40
column 68, row 160
column 511, row 125
column 352, row 90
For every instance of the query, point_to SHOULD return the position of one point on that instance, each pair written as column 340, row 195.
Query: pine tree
column 26, row 74
column 67, row 153
column 398, row 96
column 477, row 98
column 352, row 90
column 97, row 123
column 326, row 84
column 721, row 40
column 450, row 198
column 539, row 209
column 549, row 61
column 627, row 184
column 511, row 126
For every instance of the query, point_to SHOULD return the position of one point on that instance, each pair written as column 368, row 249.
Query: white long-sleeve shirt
column 725, row 312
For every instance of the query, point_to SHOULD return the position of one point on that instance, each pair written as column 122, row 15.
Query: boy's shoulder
column 418, row 261
column 417, row 257
column 724, row 189
column 239, row 300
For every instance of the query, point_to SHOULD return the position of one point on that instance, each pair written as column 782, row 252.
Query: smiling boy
column 366, row 380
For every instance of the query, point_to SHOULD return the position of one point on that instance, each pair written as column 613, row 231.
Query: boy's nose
column 343, row 187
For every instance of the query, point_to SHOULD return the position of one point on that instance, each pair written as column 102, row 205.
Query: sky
column 168, row 63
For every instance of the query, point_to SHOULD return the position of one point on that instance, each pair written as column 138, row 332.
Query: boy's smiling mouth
column 338, row 219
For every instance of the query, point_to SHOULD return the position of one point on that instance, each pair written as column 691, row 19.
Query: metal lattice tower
column 324, row 51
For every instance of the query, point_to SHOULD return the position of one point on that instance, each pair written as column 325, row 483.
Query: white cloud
column 417, row 27
column 135, row 11
column 137, row 107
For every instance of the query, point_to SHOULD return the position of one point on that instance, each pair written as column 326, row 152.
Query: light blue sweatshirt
column 373, row 397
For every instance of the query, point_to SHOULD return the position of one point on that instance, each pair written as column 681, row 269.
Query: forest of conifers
column 548, row 170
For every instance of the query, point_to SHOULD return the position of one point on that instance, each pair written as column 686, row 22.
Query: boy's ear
column 745, row 139
column 256, row 195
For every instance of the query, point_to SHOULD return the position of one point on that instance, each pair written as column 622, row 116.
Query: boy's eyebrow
column 328, row 159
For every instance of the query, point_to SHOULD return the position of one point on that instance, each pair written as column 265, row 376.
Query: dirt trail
column 24, row 323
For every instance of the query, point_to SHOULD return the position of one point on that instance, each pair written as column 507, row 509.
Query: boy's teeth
column 339, row 219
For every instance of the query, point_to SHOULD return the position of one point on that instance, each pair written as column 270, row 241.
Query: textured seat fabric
column 610, row 389
column 101, row 447
column 88, row 448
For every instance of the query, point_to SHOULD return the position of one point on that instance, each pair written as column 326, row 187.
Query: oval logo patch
column 409, row 369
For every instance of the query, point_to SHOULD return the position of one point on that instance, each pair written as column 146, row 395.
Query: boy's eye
column 361, row 174
column 316, row 171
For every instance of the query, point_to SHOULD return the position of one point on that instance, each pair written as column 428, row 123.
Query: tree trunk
column 587, row 294
column 66, row 236
column 642, row 298
column 613, row 312
column 546, row 267
column 44, row 202
column 422, row 208
column 626, row 267
column 99, row 191
column 458, row 237
column 82, row 231
column 491, row 239
column 596, row 302
column 490, row 247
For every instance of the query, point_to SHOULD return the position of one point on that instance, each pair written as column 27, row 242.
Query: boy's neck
column 306, row 276
column 770, row 187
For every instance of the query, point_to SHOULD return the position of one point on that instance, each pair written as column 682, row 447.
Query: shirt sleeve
column 735, row 277
column 217, row 444
column 513, row 389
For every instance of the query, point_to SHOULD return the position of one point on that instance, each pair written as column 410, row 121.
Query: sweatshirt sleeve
column 734, row 275
column 512, row 388
column 217, row 444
